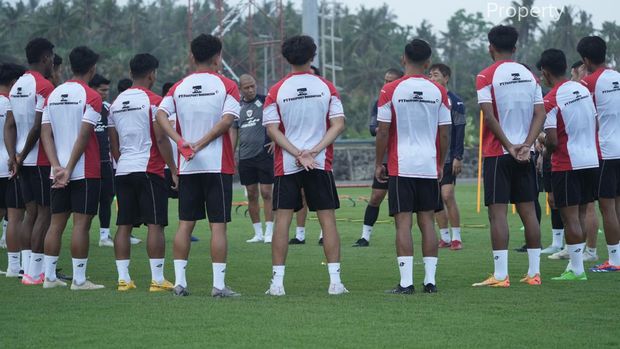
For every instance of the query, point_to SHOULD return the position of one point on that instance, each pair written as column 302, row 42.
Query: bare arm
column 163, row 122
column 551, row 141
column 234, row 135
column 115, row 148
column 444, row 142
column 336, row 127
column 33, row 135
column 10, row 138
column 381, row 143
column 273, row 131
column 47, row 138
column 79, row 146
column 165, row 149
column 218, row 129
column 537, row 124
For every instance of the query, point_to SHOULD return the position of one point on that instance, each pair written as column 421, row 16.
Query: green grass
column 554, row 315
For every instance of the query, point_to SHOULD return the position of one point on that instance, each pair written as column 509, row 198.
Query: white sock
column 26, row 260
column 13, row 262
column 558, row 237
column 366, row 231
column 500, row 259
column 49, row 263
column 405, row 266
column 614, row 254
column 4, row 224
column 445, row 235
column 268, row 228
column 300, row 233
column 334, row 273
column 430, row 266
column 591, row 250
column 258, row 230
column 576, row 257
column 36, row 265
column 533, row 256
column 157, row 269
column 456, row 233
column 277, row 278
column 79, row 270
column 122, row 266
column 179, row 272
column 104, row 233
column 219, row 274
column 321, row 235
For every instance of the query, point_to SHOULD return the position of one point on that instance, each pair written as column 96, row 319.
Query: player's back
column 200, row 100
column 27, row 98
column 513, row 90
column 604, row 84
column 304, row 103
column 66, row 108
column 131, row 115
column 415, row 107
column 571, row 108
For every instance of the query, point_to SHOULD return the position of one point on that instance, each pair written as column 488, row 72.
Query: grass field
column 554, row 315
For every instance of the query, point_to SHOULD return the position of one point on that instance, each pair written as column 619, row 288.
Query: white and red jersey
column 303, row 105
column 415, row 107
column 66, row 108
column 27, row 98
column 132, row 115
column 5, row 105
column 199, row 101
column 513, row 90
column 604, row 85
column 571, row 111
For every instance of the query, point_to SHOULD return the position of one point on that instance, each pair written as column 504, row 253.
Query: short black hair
column 166, row 87
column 593, row 48
column 38, row 48
column 143, row 64
column 553, row 61
column 315, row 70
column 299, row 49
column 443, row 69
column 98, row 80
column 396, row 72
column 576, row 65
column 57, row 60
column 418, row 51
column 123, row 84
column 205, row 46
column 503, row 38
column 82, row 59
column 10, row 72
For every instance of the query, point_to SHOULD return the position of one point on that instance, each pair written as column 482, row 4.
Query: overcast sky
column 412, row 12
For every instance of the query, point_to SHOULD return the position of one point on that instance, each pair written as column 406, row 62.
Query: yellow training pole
column 479, row 163
column 514, row 209
column 548, row 208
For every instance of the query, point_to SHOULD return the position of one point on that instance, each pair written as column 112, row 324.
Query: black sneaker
column 361, row 243
column 296, row 241
column 401, row 290
column 321, row 242
column 62, row 276
column 430, row 288
column 521, row 249
column 180, row 291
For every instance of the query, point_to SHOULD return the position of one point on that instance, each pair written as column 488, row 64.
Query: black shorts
column 212, row 191
column 448, row 176
column 107, row 179
column 4, row 183
column 408, row 194
column 608, row 184
column 172, row 193
column 142, row 198
column 378, row 185
column 35, row 184
column 319, row 188
column 508, row 181
column 258, row 169
column 571, row 188
column 79, row 196
column 14, row 197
